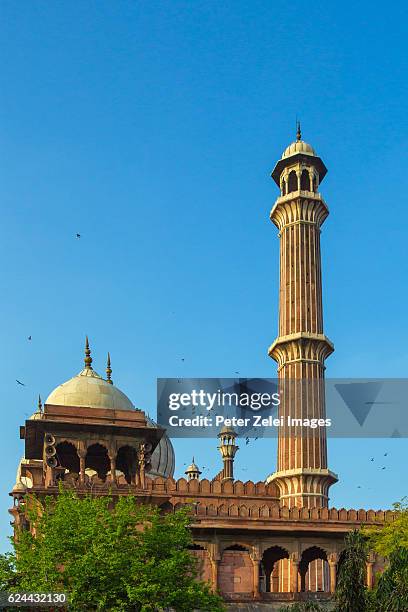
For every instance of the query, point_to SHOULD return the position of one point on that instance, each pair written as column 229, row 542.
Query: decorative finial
column 109, row 371
column 39, row 404
column 298, row 132
column 88, row 358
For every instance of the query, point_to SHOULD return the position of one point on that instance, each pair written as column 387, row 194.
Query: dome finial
column 88, row 358
column 39, row 404
column 109, row 371
column 298, row 131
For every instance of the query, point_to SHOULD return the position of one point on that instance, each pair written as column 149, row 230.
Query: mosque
column 259, row 543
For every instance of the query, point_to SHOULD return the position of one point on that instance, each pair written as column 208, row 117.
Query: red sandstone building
column 259, row 543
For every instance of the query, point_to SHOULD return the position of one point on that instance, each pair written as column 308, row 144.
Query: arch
column 292, row 182
column 283, row 187
column 314, row 570
column 235, row 574
column 272, row 574
column 67, row 456
column 97, row 459
column 305, row 180
column 166, row 508
column 126, row 462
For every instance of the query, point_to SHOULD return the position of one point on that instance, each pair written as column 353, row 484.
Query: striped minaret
column 301, row 346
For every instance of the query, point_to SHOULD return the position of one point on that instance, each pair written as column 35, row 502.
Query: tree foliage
column 351, row 591
column 391, row 541
column 109, row 556
column 394, row 535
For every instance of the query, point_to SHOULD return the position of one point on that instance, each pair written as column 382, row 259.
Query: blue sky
column 151, row 128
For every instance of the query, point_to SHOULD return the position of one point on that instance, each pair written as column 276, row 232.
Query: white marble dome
column 89, row 390
column 300, row 146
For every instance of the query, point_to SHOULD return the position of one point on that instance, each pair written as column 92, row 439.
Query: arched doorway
column 272, row 575
column 97, row 459
column 314, row 570
column 67, row 457
column 126, row 462
column 235, row 571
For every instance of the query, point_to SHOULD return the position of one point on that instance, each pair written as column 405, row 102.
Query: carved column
column 144, row 459
column 112, row 458
column 256, row 559
column 294, row 558
column 214, row 573
column 215, row 557
column 369, row 564
column 82, row 455
column 333, row 560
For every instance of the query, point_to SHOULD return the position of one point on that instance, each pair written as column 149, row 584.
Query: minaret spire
column 109, row 371
column 298, row 131
column 88, row 358
column 39, row 404
column 301, row 348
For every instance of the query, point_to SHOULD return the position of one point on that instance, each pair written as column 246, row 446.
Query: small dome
column 226, row 430
column 300, row 146
column 193, row 468
column 89, row 390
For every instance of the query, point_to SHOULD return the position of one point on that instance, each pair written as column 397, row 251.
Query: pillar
column 82, row 455
column 333, row 575
column 112, row 458
column 256, row 559
column 295, row 574
column 370, row 574
column 214, row 573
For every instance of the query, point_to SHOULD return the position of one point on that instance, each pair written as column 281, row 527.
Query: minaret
column 193, row 472
column 228, row 450
column 301, row 346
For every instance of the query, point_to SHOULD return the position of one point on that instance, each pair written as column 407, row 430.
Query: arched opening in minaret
column 67, row 457
column 315, row 183
column 305, row 181
column 314, row 570
column 292, row 182
column 97, row 459
column 126, row 462
column 274, row 575
column 283, row 187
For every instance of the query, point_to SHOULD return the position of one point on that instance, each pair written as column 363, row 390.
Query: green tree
column 351, row 591
column 391, row 541
column 394, row 535
column 119, row 556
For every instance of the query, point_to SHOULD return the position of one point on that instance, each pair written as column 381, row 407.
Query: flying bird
column 383, row 468
column 372, row 459
column 385, row 454
column 20, row 383
column 29, row 337
column 78, row 235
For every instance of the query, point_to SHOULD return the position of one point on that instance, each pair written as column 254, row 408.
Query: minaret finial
column 298, row 131
column 109, row 371
column 39, row 404
column 88, row 358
